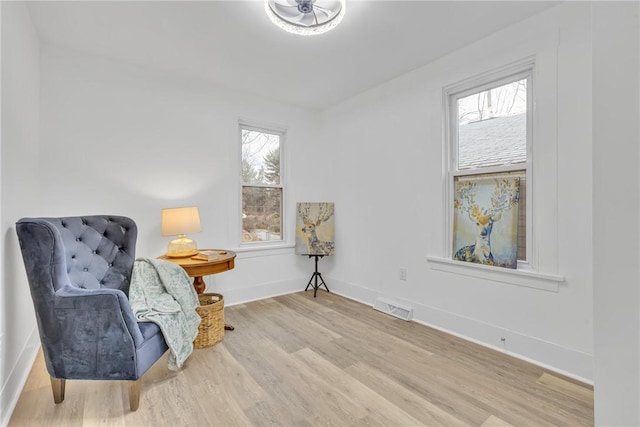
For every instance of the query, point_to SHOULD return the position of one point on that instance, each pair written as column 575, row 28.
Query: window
column 262, row 185
column 489, row 136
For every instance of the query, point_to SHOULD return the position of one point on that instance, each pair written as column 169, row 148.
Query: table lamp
column 179, row 222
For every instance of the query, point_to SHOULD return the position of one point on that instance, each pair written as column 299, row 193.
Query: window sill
column 264, row 250
column 529, row 279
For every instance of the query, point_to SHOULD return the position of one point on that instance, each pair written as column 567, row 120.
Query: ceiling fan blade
column 286, row 12
column 334, row 5
column 323, row 14
column 306, row 19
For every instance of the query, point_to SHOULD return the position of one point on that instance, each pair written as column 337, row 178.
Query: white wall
column 616, row 202
column 389, row 196
column 19, row 189
column 125, row 140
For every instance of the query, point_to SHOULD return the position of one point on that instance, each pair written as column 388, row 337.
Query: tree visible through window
column 262, row 187
column 489, row 136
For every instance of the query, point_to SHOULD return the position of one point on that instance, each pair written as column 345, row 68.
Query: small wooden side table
column 198, row 268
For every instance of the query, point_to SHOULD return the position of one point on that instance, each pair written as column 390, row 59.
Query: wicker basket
column 211, row 329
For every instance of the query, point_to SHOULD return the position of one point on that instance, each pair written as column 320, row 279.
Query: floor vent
column 393, row 308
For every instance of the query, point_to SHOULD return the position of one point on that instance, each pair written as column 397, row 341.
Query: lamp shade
column 176, row 221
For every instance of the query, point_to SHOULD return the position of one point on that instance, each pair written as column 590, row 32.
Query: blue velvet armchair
column 79, row 270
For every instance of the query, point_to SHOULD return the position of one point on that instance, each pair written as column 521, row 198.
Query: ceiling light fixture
column 305, row 17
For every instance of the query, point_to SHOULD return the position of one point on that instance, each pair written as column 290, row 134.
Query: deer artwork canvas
column 315, row 228
column 485, row 222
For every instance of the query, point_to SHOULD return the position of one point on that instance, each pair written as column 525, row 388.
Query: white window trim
column 527, row 273
column 272, row 129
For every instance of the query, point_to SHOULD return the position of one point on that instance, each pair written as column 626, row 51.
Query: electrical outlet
column 403, row 273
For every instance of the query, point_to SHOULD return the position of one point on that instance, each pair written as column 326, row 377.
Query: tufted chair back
column 99, row 251
column 79, row 270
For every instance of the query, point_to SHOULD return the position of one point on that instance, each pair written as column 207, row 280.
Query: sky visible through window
column 506, row 100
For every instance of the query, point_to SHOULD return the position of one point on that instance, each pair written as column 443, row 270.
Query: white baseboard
column 352, row 291
column 566, row 361
column 17, row 377
column 263, row 291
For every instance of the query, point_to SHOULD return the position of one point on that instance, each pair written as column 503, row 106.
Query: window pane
column 261, row 214
column 492, row 127
column 260, row 157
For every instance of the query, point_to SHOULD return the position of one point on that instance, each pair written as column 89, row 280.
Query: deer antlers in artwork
column 505, row 195
column 325, row 211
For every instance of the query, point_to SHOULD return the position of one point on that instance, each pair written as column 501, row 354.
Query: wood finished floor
column 298, row 361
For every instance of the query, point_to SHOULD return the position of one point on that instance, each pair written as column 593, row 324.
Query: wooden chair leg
column 134, row 394
column 57, row 386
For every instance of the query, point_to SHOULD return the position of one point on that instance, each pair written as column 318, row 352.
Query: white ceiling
column 233, row 43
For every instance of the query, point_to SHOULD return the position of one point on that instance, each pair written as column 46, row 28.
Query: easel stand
column 314, row 278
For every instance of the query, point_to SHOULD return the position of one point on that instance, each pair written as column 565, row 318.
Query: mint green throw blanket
column 161, row 292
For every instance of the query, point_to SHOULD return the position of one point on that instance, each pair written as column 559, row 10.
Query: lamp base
column 182, row 247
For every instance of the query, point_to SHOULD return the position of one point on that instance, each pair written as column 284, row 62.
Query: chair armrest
column 71, row 297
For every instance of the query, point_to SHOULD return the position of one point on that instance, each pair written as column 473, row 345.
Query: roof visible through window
column 493, row 142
